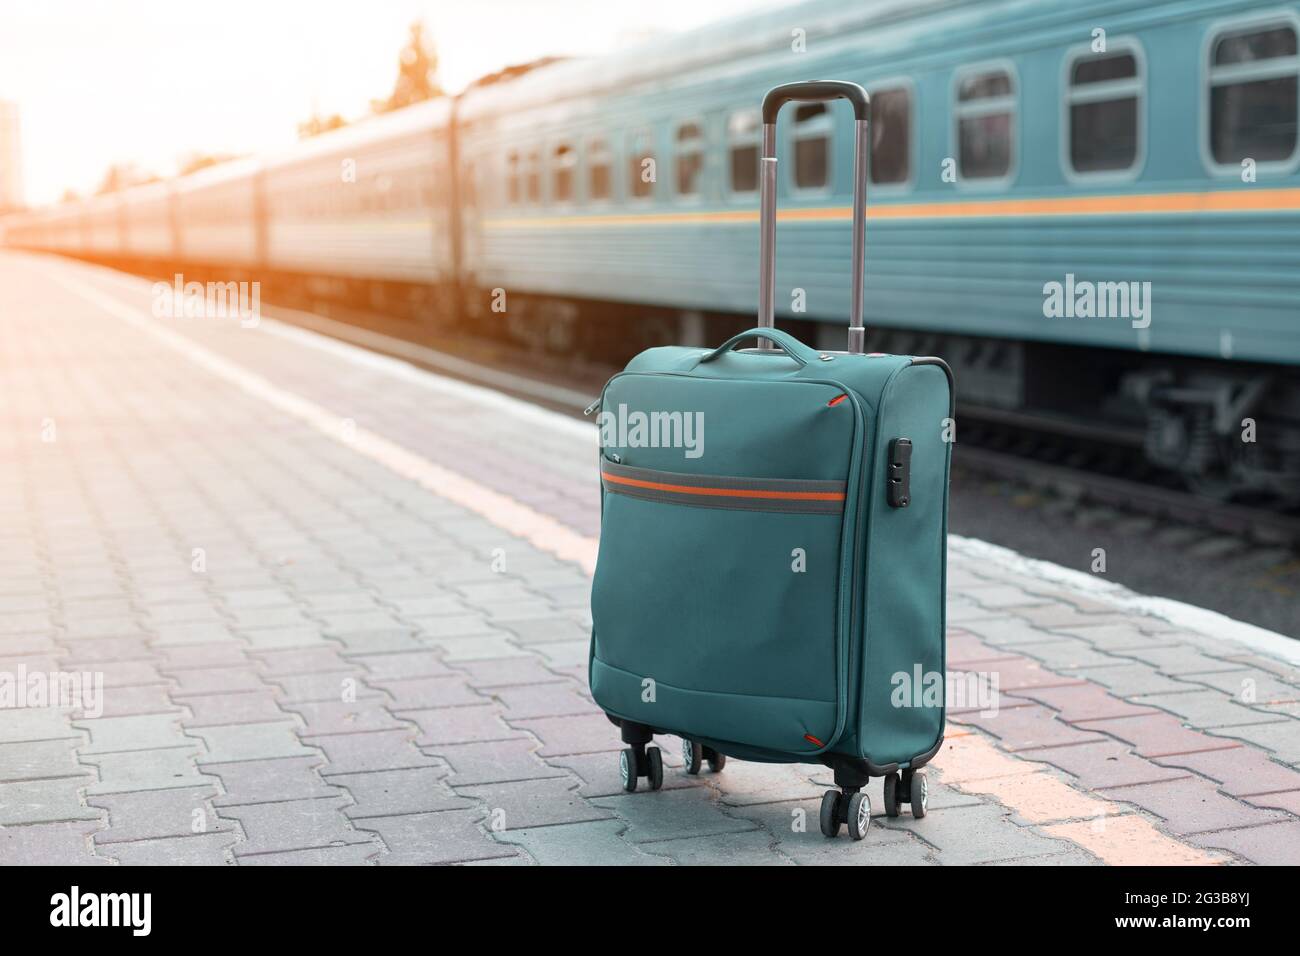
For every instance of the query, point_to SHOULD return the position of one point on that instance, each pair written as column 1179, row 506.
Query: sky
column 151, row 82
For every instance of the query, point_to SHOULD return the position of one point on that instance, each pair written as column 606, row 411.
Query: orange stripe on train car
column 727, row 492
column 1219, row 200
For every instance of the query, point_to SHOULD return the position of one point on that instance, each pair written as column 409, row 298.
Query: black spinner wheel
column 893, row 805
column 859, row 815
column 692, row 756
column 830, row 814
column 654, row 767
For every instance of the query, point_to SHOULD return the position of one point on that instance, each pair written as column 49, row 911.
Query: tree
column 318, row 124
column 123, row 176
column 417, row 74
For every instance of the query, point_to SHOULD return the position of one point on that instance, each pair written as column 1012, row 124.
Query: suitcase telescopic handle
column 814, row 91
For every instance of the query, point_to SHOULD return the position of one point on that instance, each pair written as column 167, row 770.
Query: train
column 1091, row 210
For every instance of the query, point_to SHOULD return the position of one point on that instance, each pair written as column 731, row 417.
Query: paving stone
column 338, row 717
column 1281, row 738
column 1157, row 735
column 145, row 770
column 743, row 783
column 271, row 781
column 752, row 848
column 1274, row 844
column 376, row 642
column 83, row 654
column 544, row 700
column 216, row 680
column 532, row 803
column 545, row 630
column 42, row 801
column 508, row 672
column 198, row 656
column 167, row 634
column 1105, row 764
column 49, row 844
column 286, row 638
column 1190, row 805
column 1239, row 771
column 353, row 854
column 386, row 793
column 672, row 814
column 1119, row 639
column 39, row 759
column 1180, row 660
column 481, row 647
column 295, row 661
column 426, row 693
column 455, row 725
column 209, row 710
column 497, row 761
column 143, row 732
column 595, row 843
column 293, row 825
column 403, row 665
column 448, row 836
column 383, row 750
column 231, row 743
column 1131, row 680
column 1065, row 654
column 155, row 814
column 198, row 849
column 36, row 723
column 979, row 834
column 1026, row 728
column 1210, row 708
column 1082, row 702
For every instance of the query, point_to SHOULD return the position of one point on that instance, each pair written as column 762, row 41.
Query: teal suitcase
column 770, row 582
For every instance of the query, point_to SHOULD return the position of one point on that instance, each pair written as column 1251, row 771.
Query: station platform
column 340, row 610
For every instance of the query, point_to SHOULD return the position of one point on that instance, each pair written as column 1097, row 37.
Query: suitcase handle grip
column 813, row 91
column 816, row 91
column 788, row 343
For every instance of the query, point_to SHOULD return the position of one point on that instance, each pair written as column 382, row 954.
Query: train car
column 370, row 202
column 1091, row 211
column 103, row 226
column 220, row 217
column 151, row 225
column 56, row 229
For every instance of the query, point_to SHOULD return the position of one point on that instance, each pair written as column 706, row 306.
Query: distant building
column 11, row 157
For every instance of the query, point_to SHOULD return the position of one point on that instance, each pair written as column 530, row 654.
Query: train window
column 985, row 115
column 812, row 146
column 1103, row 100
column 891, row 135
column 690, row 159
column 533, row 177
column 1253, row 80
column 744, row 137
column 641, row 164
column 514, row 193
column 564, row 160
column 600, row 170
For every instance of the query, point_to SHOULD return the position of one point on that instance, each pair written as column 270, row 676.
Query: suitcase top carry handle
column 770, row 337
column 813, row 91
